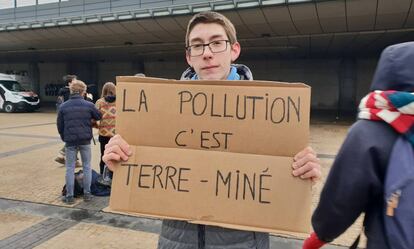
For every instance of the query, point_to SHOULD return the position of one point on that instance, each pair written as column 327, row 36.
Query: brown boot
column 60, row 159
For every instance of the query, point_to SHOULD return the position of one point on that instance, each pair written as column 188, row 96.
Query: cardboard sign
column 214, row 152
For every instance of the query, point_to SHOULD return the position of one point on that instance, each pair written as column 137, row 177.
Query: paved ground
column 32, row 215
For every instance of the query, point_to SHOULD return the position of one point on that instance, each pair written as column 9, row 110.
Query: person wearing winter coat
column 74, row 123
column 64, row 95
column 211, row 50
column 362, row 170
column 107, row 108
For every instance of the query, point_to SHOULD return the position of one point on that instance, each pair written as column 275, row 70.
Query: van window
column 13, row 86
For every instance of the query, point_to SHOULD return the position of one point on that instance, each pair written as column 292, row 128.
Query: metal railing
column 23, row 3
column 89, row 11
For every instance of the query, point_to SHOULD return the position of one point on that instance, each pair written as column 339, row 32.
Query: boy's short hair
column 212, row 17
column 77, row 87
column 68, row 78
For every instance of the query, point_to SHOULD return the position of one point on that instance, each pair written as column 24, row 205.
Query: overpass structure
column 330, row 44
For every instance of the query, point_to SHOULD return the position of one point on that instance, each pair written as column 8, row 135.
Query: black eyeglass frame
column 188, row 48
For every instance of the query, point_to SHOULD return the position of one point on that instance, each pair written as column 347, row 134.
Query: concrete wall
column 14, row 67
column 365, row 69
column 50, row 78
column 323, row 75
column 171, row 69
column 109, row 70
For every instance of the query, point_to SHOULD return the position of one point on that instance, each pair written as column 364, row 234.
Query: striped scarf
column 395, row 108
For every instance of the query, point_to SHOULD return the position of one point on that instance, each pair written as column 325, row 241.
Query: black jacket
column 65, row 93
column 74, row 121
column 356, row 180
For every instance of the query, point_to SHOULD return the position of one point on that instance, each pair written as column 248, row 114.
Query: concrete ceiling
column 316, row 29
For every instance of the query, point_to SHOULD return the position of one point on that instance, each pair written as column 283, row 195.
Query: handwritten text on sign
column 226, row 106
column 223, row 187
column 233, row 184
column 214, row 152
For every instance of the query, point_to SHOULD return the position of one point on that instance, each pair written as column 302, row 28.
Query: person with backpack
column 373, row 172
column 74, row 123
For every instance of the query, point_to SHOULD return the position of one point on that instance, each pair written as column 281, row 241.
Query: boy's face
column 209, row 65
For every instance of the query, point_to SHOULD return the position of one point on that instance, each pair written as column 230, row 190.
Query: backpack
column 78, row 190
column 97, row 189
column 399, row 196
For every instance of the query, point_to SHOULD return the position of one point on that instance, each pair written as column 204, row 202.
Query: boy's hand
column 306, row 165
column 116, row 150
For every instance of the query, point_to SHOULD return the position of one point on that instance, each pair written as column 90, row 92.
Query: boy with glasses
column 211, row 48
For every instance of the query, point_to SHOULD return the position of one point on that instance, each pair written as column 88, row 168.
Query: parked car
column 13, row 97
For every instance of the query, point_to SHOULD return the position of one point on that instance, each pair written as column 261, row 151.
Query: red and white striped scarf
column 393, row 107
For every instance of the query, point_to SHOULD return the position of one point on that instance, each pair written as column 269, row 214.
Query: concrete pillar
column 88, row 72
column 138, row 66
column 347, row 87
column 35, row 76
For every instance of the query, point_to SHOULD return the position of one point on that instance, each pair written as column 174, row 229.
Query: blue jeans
column 85, row 152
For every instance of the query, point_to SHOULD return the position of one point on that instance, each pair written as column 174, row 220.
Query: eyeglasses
column 215, row 47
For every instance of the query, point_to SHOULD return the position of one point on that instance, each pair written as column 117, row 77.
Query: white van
column 13, row 97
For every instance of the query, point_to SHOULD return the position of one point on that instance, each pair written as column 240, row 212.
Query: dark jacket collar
column 75, row 96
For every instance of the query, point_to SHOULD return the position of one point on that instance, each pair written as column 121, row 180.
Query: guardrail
column 89, row 11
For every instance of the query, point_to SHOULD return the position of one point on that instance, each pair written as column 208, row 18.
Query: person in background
column 74, row 123
column 63, row 96
column 64, row 92
column 107, row 108
column 376, row 156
